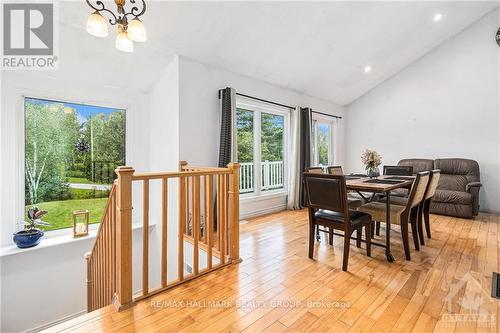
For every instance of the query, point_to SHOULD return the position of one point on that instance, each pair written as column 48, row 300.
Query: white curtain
column 336, row 144
column 294, row 178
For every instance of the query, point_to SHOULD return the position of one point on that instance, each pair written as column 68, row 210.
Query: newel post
column 123, row 297
column 234, row 211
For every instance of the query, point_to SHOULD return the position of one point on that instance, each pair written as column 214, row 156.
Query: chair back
column 418, row 188
column 326, row 192
column 433, row 183
column 335, row 170
column 315, row 170
column 398, row 170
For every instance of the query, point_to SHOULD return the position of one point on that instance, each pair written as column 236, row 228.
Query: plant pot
column 28, row 238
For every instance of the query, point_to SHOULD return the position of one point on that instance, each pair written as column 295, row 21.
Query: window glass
column 245, row 137
column 71, row 152
column 272, row 128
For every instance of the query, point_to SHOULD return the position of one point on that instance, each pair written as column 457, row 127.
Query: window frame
column 318, row 118
column 258, row 108
column 22, row 151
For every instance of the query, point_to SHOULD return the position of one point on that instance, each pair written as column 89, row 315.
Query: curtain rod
column 261, row 100
column 279, row 104
column 326, row 114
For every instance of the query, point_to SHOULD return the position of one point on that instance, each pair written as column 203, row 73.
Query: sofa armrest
column 473, row 188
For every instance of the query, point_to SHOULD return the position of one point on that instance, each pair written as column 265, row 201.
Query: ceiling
column 317, row 48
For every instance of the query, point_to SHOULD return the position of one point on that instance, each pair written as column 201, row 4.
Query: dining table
column 381, row 185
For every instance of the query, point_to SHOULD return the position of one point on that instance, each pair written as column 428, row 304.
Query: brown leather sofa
column 457, row 193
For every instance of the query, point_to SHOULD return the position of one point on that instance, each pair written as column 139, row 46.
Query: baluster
column 145, row 238
column 113, row 240
column 196, row 222
column 223, row 220
column 164, row 232
column 218, row 207
column 209, row 219
column 182, row 224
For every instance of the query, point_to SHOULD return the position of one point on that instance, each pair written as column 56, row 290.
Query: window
column 261, row 138
column 71, row 152
column 322, row 134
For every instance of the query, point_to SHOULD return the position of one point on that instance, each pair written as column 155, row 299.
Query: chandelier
column 128, row 32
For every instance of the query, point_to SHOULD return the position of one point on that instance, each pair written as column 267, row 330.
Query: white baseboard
column 56, row 322
column 260, row 212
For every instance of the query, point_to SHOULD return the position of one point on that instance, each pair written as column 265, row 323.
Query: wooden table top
column 361, row 184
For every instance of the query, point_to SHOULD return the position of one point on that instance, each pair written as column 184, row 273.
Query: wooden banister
column 208, row 221
column 123, row 295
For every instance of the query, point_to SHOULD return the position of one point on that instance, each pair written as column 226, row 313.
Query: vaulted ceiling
column 318, row 48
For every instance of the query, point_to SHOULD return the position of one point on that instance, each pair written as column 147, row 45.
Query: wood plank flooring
column 277, row 288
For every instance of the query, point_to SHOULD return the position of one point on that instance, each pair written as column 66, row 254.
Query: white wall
column 447, row 104
column 199, row 117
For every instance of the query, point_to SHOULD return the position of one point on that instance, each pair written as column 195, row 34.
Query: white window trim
column 331, row 136
column 21, row 150
column 258, row 108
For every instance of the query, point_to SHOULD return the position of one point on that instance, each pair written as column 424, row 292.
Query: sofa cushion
column 418, row 164
column 457, row 197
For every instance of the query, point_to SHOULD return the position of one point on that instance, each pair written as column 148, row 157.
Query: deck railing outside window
column 272, row 176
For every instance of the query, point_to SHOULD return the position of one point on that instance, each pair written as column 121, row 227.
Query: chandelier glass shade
column 130, row 28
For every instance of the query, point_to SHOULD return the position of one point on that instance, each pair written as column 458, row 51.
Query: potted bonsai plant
column 371, row 159
column 31, row 235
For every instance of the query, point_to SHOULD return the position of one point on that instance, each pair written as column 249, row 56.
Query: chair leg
column 419, row 224
column 372, row 229
column 318, row 237
column 377, row 225
column 330, row 236
column 415, row 234
column 347, row 245
column 368, row 236
column 404, row 235
column 359, row 232
column 427, row 207
column 311, row 239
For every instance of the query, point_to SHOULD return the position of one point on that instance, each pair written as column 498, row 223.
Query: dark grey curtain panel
column 305, row 147
column 228, row 105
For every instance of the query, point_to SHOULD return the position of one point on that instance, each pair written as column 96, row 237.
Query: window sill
column 56, row 241
column 264, row 196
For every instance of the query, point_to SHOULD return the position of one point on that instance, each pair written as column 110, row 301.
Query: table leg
column 388, row 253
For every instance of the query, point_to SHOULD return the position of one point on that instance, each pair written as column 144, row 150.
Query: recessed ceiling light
column 367, row 69
column 438, row 17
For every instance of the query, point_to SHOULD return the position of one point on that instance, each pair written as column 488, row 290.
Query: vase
column 373, row 172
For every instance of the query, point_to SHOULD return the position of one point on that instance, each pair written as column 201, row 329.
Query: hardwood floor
column 280, row 289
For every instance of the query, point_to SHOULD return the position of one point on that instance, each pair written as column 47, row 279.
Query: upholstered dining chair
column 424, row 207
column 398, row 170
column 335, row 170
column 403, row 214
column 426, row 204
column 352, row 201
column 315, row 170
column 326, row 199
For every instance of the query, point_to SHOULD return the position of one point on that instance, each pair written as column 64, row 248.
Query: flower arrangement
column 371, row 159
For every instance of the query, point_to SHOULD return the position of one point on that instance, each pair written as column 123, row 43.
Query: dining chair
column 335, row 170
column 326, row 199
column 315, row 170
column 354, row 202
column 398, row 170
column 424, row 207
column 424, row 212
column 402, row 214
